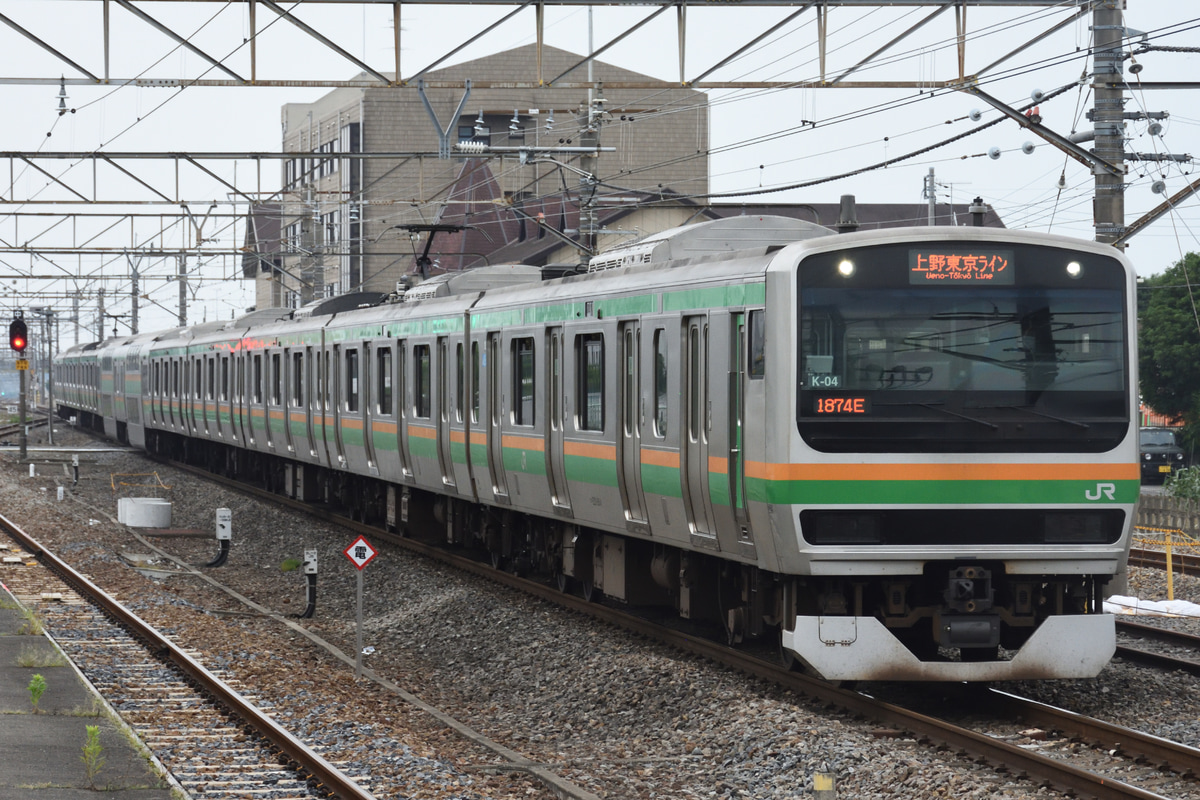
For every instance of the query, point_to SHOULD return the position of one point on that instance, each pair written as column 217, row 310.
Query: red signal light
column 18, row 335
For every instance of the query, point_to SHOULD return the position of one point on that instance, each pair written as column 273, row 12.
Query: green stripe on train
column 939, row 492
column 585, row 469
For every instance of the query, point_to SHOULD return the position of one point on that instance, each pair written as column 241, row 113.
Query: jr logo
column 1103, row 490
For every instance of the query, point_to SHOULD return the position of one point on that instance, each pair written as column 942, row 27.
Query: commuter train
column 905, row 454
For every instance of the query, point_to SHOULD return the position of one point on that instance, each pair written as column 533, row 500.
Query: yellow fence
column 1169, row 539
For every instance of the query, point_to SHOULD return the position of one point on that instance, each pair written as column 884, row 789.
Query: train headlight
column 1146, row 456
column 1074, row 269
column 846, row 268
column 1179, row 456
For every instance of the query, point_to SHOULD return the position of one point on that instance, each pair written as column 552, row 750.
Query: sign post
column 360, row 554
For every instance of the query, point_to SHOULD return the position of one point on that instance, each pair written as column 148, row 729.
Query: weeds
column 92, row 758
column 39, row 657
column 37, row 685
column 32, row 626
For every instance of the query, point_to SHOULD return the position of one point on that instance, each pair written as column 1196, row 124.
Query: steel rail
column 1000, row 754
column 1182, row 563
column 1159, row 660
column 1162, row 752
column 327, row 777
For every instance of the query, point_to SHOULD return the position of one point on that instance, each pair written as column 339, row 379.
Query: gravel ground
column 613, row 714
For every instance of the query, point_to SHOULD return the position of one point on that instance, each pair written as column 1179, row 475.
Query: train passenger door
column 403, row 407
column 495, row 367
column 367, row 404
column 737, row 448
column 495, row 414
column 306, row 399
column 445, row 410
column 696, row 425
column 630, row 439
column 555, row 438
column 334, row 391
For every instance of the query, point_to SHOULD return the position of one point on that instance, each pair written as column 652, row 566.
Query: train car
column 906, row 454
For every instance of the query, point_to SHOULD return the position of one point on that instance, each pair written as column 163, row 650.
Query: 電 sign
column 360, row 552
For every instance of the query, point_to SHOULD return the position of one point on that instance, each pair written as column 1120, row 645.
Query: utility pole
column 1108, row 118
column 182, row 278
column 133, row 296
column 100, row 314
column 930, row 194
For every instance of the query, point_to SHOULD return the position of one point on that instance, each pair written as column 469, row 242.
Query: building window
column 589, row 376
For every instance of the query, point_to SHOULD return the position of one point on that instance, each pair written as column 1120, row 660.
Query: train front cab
column 961, row 475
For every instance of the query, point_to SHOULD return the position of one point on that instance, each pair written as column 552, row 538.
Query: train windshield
column 952, row 346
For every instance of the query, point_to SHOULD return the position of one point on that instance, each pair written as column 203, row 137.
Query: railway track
column 1181, row 563
column 221, row 744
column 1133, row 750
column 1173, row 640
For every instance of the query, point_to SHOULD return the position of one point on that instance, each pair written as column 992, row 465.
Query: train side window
column 383, row 374
column 175, row 379
column 225, row 377
column 523, row 381
column 276, row 379
column 474, row 381
column 758, row 345
column 422, row 381
column 258, row 380
column 589, row 377
column 197, row 384
column 459, row 376
column 298, row 380
column 401, row 377
column 317, row 380
column 352, row 380
column 660, row 383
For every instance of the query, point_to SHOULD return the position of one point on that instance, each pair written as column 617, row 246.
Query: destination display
column 971, row 265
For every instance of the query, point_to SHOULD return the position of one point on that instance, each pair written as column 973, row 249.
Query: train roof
column 718, row 236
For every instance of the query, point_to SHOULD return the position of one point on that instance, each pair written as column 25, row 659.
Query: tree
column 1169, row 343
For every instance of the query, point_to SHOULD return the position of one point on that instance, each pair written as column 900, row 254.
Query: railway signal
column 18, row 335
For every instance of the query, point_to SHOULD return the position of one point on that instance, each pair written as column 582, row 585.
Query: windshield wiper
column 937, row 407
column 1037, row 413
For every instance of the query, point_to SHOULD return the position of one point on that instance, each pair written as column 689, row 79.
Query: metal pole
column 133, row 297
column 21, row 419
column 358, row 645
column 1108, row 119
column 182, row 278
column 50, row 375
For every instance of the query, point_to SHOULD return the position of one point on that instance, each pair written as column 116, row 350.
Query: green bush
column 1184, row 484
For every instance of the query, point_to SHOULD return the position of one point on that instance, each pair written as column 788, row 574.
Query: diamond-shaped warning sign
column 360, row 552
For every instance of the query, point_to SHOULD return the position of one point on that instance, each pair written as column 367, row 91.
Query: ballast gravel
column 617, row 716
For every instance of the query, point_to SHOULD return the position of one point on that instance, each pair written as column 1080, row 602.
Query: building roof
column 499, row 230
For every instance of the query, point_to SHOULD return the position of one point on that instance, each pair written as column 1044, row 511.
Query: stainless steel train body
column 907, row 454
